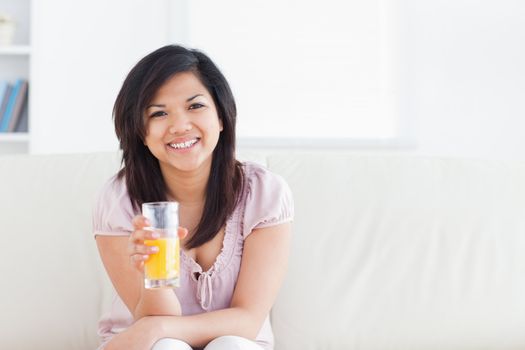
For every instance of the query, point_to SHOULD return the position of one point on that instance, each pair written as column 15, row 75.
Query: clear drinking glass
column 162, row 269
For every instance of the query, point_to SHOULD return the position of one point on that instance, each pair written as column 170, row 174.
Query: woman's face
column 182, row 125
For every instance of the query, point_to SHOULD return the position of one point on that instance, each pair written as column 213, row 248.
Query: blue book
column 6, row 119
column 4, row 96
column 19, row 106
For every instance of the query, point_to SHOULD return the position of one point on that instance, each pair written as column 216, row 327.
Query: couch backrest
column 388, row 252
column 54, row 286
column 397, row 252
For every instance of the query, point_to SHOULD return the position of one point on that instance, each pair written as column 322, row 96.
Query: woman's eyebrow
column 160, row 106
column 191, row 98
column 163, row 106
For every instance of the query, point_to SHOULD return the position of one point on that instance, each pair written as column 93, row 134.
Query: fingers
column 138, row 260
column 143, row 249
column 138, row 250
column 139, row 253
column 182, row 232
column 139, row 222
column 139, row 236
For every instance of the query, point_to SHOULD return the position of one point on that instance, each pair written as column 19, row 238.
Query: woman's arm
column 263, row 267
column 124, row 268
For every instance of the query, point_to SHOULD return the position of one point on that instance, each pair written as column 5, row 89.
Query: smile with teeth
column 183, row 145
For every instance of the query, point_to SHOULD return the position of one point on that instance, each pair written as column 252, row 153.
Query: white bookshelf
column 15, row 61
column 13, row 137
column 15, row 50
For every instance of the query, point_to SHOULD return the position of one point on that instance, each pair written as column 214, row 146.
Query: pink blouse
column 265, row 201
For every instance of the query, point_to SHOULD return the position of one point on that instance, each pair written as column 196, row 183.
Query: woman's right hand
column 137, row 250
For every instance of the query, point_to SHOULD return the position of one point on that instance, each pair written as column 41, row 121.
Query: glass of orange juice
column 162, row 269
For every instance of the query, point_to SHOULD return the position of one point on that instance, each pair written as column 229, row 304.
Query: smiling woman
column 177, row 125
column 175, row 120
column 169, row 77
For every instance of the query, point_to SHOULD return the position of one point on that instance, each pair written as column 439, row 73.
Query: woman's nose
column 179, row 123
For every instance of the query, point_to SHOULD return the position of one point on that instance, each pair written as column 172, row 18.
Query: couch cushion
column 403, row 253
column 54, row 286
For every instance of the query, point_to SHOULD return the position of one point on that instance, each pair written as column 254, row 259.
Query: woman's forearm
column 199, row 329
column 157, row 302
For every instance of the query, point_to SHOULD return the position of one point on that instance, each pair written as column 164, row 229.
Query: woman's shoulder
column 113, row 192
column 115, row 185
column 258, row 175
column 268, row 198
column 112, row 209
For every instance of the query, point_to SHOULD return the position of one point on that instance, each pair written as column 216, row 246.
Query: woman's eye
column 196, row 106
column 158, row 114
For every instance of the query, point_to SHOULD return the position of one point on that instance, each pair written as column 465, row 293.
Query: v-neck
column 219, row 260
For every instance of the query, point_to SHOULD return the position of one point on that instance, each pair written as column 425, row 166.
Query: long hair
column 141, row 170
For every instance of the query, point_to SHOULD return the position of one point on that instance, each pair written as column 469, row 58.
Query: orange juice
column 162, row 268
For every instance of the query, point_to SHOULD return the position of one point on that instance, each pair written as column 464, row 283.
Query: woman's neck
column 187, row 187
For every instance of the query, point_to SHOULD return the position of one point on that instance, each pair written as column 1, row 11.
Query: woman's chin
column 188, row 165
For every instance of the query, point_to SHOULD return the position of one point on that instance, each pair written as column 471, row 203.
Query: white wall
column 464, row 76
column 461, row 76
column 313, row 69
column 82, row 52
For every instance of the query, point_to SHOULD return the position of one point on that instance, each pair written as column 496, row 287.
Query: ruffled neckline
column 231, row 233
column 225, row 253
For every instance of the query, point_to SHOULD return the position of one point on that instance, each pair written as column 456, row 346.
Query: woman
column 175, row 121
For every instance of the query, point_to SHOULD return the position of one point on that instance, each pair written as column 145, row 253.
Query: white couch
column 389, row 252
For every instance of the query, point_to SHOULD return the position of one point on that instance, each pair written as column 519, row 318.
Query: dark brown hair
column 141, row 169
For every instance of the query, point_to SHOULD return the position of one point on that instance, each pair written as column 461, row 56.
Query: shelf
column 15, row 50
column 15, row 63
column 14, row 137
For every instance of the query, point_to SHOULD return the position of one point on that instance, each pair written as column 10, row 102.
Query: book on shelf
column 23, row 125
column 20, row 103
column 5, row 89
column 15, row 102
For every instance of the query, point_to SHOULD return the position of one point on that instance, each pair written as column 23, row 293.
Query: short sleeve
column 112, row 211
column 269, row 200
